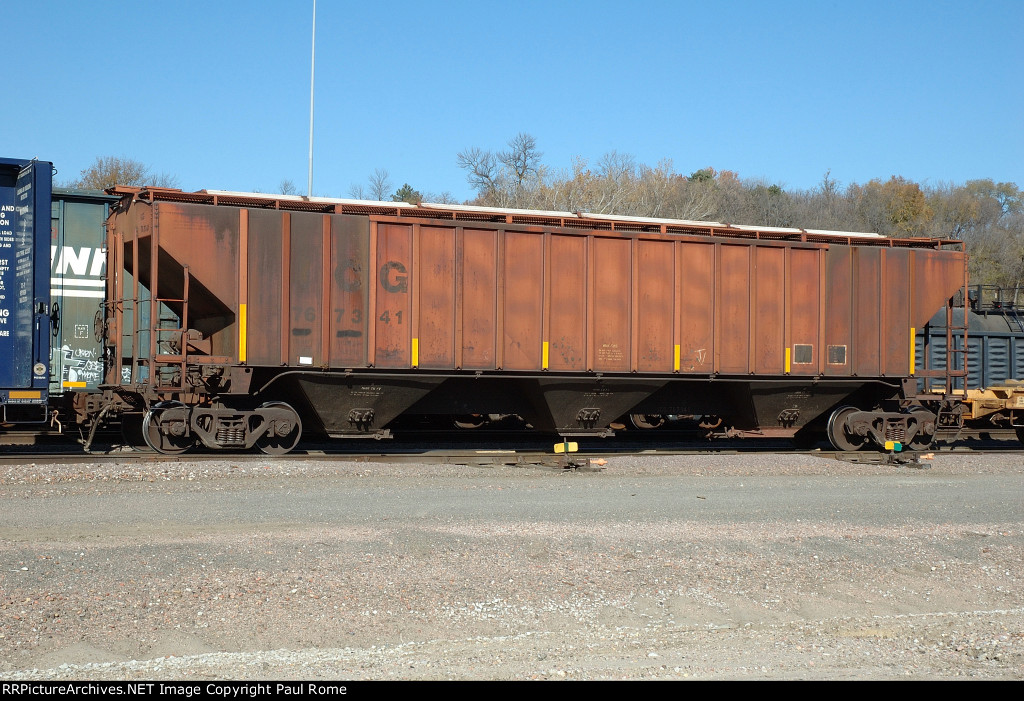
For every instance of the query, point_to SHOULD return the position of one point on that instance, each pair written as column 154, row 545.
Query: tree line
column 987, row 215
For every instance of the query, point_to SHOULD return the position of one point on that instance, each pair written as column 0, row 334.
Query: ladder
column 168, row 374
column 952, row 377
column 956, row 341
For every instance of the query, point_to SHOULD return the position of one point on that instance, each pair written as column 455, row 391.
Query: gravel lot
column 708, row 567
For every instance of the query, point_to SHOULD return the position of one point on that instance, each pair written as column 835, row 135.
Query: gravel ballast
column 707, row 567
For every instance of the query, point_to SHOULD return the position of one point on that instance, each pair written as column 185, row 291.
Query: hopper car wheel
column 284, row 435
column 175, row 440
column 470, row 421
column 1020, row 433
column 646, row 421
column 710, row 421
column 921, row 441
column 840, row 438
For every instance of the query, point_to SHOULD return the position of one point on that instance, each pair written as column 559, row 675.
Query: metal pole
column 312, row 69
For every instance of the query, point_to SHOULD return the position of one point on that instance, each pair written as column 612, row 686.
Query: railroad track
column 488, row 448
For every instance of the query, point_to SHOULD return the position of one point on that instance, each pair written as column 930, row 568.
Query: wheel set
column 171, row 428
column 850, row 428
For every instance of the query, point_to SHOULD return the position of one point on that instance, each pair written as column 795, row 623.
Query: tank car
column 235, row 320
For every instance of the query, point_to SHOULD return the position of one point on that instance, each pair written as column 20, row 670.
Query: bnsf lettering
column 66, row 260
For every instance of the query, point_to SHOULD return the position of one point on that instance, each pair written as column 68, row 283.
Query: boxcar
column 77, row 287
column 235, row 320
column 24, row 289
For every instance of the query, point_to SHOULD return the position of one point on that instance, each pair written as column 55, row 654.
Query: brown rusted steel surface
column 732, row 313
column 568, row 332
column 283, row 261
column 436, row 287
column 357, row 285
column 392, row 317
column 478, row 323
column 768, row 310
column 264, row 321
column 612, row 305
column 895, row 321
column 655, row 267
column 839, row 313
column 350, row 283
column 305, row 295
column 524, row 294
column 867, row 312
column 696, row 306
column 804, row 292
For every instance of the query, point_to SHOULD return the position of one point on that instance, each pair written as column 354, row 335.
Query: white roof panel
column 543, row 213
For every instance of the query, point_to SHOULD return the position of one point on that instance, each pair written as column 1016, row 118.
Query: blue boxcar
column 25, row 189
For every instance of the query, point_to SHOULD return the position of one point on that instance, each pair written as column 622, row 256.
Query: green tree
column 704, row 175
column 407, row 194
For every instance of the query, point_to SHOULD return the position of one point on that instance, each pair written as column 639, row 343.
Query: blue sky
column 217, row 92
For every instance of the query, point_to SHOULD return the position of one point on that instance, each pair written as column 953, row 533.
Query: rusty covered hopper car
column 236, row 320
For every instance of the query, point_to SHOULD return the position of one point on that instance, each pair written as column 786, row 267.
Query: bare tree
column 114, row 170
column 522, row 158
column 684, row 197
column 287, row 187
column 482, row 168
column 829, row 187
column 380, row 185
column 443, row 197
column 511, row 178
column 163, row 180
column 767, row 205
column 569, row 191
